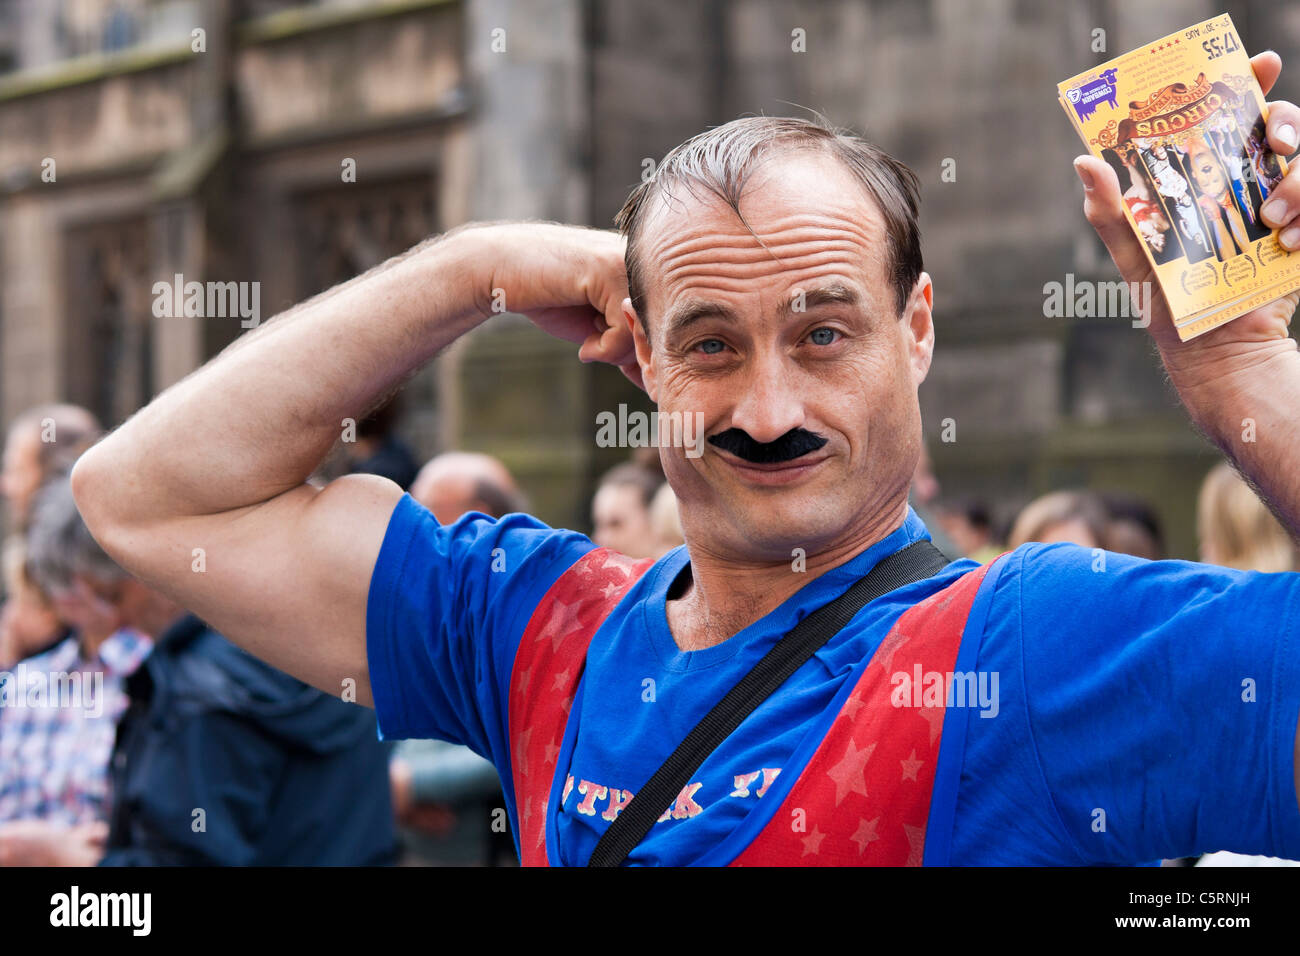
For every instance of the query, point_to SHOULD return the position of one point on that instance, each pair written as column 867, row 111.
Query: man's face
column 804, row 373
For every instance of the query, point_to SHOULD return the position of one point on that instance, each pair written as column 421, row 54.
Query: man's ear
column 644, row 356
column 919, row 324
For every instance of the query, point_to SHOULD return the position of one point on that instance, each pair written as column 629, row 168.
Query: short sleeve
column 1162, row 700
column 446, row 609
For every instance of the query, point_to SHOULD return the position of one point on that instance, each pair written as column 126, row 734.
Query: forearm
column 1248, row 403
column 258, row 419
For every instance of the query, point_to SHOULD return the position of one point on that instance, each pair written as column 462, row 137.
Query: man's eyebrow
column 687, row 313
column 691, row 311
column 835, row 294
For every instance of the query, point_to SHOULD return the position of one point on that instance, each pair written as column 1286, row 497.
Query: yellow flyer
column 1181, row 121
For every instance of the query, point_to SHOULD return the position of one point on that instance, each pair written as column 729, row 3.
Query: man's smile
column 777, row 473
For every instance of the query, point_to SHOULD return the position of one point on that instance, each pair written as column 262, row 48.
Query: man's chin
column 767, row 533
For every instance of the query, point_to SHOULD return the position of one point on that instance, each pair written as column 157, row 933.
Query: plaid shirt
column 58, row 720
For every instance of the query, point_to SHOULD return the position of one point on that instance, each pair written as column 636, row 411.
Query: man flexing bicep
column 203, row 493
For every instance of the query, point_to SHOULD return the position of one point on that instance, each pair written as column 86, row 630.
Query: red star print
column 933, row 716
column 911, row 765
column 848, row 774
column 562, row 624
column 855, row 703
column 521, row 752
column 865, row 834
column 812, row 842
column 916, row 844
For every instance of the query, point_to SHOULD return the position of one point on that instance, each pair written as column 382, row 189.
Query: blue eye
column 705, row 346
column 823, row 336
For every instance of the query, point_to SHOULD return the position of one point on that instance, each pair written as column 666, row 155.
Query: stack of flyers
column 1181, row 121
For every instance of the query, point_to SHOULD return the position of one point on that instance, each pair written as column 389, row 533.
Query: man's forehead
column 809, row 220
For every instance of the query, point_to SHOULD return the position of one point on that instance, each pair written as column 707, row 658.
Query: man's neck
column 724, row 596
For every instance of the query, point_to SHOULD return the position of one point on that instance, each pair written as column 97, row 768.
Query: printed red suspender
column 864, row 796
column 545, row 677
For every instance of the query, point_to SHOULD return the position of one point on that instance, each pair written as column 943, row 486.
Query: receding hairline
column 722, row 162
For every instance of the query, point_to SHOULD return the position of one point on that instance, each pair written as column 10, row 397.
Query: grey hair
column 59, row 545
column 722, row 159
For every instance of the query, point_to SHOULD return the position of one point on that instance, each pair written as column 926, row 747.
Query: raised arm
column 203, row 493
column 1240, row 382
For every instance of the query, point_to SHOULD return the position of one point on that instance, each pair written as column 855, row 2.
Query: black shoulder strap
column 919, row 560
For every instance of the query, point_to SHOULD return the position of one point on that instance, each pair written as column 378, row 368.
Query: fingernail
column 1290, row 238
column 1287, row 134
column 1084, row 175
column 1274, row 211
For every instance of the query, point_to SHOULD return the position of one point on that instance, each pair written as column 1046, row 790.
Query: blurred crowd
column 133, row 734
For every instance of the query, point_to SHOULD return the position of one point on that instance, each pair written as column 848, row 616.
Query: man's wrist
column 458, row 266
column 1223, row 384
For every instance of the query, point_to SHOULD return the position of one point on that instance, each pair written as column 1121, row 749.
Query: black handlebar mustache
column 795, row 443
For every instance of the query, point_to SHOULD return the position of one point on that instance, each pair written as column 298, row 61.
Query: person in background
column 42, row 442
column 1078, row 517
column 1132, row 526
column 666, row 520
column 28, row 622
column 432, row 779
column 968, row 525
column 1236, row 530
column 620, row 510
column 377, row 449
column 61, row 708
column 923, row 496
column 458, row 482
column 220, row 759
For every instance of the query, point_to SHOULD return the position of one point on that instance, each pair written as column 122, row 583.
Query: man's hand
column 41, row 843
column 1247, row 340
column 569, row 281
column 1240, row 382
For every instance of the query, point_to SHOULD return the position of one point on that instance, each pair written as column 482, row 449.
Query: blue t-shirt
column 1141, row 710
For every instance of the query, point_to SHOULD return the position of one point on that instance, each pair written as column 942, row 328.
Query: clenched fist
column 570, row 281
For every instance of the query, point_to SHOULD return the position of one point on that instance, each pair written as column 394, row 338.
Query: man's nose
column 772, row 402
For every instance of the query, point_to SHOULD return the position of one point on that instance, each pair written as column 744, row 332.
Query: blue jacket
column 224, row 760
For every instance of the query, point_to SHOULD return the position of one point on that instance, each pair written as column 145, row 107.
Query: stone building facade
column 128, row 155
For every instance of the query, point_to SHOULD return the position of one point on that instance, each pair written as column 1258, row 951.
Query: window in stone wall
column 346, row 229
column 342, row 231
column 108, row 345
